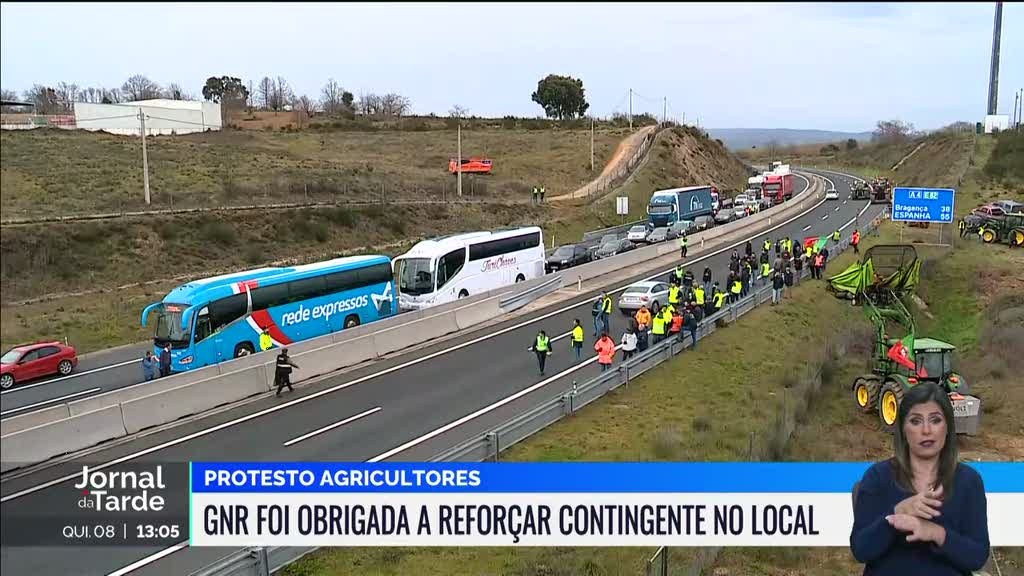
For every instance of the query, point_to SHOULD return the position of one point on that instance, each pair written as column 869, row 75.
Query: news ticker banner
column 455, row 504
column 548, row 504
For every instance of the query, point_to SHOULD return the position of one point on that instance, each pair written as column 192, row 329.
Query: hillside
column 93, row 278
column 938, row 159
column 742, row 138
column 681, row 156
column 44, row 172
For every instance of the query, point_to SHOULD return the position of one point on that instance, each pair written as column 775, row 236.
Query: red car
column 30, row 361
column 470, row 166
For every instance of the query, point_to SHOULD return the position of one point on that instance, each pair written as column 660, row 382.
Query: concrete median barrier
column 327, row 359
column 32, row 419
column 416, row 332
column 71, row 434
column 116, row 397
column 469, row 316
column 170, row 405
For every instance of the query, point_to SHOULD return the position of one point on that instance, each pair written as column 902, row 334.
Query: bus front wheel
column 463, row 294
column 352, row 321
column 243, row 349
column 520, row 278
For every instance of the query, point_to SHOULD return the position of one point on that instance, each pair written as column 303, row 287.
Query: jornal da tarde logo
column 122, row 491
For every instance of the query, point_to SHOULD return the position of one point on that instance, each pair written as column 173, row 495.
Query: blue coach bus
column 215, row 319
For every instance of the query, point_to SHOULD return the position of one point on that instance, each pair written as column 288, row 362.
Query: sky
column 809, row 66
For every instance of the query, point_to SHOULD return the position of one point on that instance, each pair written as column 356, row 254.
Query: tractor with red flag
column 878, row 283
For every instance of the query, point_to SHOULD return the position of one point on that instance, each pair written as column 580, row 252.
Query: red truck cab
column 778, row 187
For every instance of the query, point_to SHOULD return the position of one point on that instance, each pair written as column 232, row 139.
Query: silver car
column 654, row 295
column 638, row 233
column 659, row 234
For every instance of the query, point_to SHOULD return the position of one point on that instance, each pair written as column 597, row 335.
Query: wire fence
column 605, row 182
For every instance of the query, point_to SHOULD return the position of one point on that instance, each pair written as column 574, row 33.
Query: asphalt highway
column 402, row 408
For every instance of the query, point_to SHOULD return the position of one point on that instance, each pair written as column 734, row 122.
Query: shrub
column 218, row 233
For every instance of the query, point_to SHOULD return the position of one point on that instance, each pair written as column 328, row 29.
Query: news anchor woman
column 921, row 511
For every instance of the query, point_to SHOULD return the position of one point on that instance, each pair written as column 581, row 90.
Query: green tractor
column 1008, row 229
column 859, row 190
column 877, row 284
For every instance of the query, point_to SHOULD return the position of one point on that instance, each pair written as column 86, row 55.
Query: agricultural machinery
column 881, row 191
column 878, row 283
column 1008, row 229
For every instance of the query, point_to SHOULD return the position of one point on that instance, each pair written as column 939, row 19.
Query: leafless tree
column 458, row 112
column 8, row 96
column 174, row 91
column 138, row 87
column 67, row 93
column 112, row 96
column 393, row 104
column 282, row 94
column 305, row 108
column 893, row 130
column 369, row 104
column 45, row 99
column 332, row 97
column 265, row 90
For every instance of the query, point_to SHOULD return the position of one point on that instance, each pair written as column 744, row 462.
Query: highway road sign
column 922, row 204
column 622, row 205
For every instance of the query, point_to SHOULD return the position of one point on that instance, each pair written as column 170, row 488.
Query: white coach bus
column 444, row 269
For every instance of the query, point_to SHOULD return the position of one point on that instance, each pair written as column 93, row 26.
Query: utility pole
column 591, row 143
column 145, row 160
column 459, row 159
column 631, row 109
column 664, row 111
column 993, row 75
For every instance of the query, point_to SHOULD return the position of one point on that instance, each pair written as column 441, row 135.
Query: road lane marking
column 80, row 374
column 806, row 228
column 506, row 400
column 837, row 209
column 333, row 426
column 825, row 217
column 360, row 380
column 149, row 559
column 59, row 399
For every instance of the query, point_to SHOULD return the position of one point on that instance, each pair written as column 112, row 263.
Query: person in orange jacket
column 605, row 349
column 643, row 318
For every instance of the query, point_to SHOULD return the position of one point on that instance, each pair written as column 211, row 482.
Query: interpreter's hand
column 918, row 530
column 924, row 505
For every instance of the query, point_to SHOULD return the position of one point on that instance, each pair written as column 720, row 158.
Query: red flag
column 903, row 354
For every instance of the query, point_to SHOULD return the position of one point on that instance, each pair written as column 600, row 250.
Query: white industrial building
column 162, row 117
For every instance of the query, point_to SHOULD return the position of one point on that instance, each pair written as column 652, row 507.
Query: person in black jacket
column 707, row 279
column 165, row 361
column 283, row 372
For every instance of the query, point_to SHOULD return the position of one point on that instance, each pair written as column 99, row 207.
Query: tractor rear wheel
column 865, row 393
column 1017, row 238
column 889, row 404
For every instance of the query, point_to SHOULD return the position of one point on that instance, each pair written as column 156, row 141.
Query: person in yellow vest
column 962, row 225
column 766, row 270
column 658, row 327
column 673, row 294
column 719, row 299
column 767, row 245
column 643, row 318
column 836, row 236
column 682, row 245
column 981, row 233
column 678, row 274
column 266, row 342
column 542, row 347
column 577, row 339
column 737, row 288
column 698, row 295
column 808, row 250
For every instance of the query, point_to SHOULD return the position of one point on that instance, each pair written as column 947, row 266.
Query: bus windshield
column 168, row 325
column 415, row 276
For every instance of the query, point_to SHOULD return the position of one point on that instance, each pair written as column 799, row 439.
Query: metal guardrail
column 517, row 301
column 488, row 446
